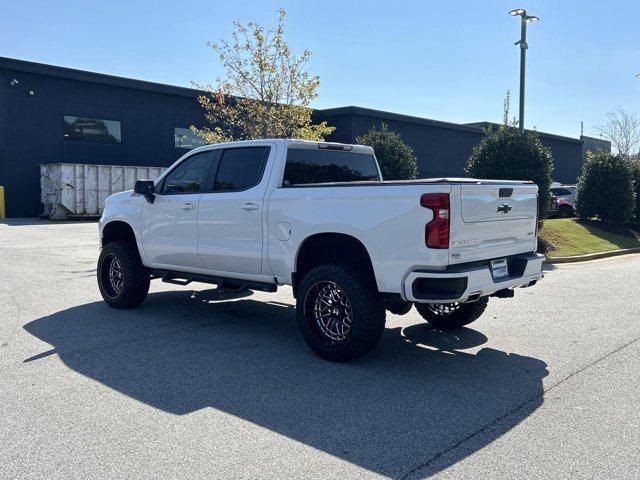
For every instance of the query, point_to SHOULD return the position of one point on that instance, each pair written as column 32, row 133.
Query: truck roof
column 287, row 142
column 313, row 145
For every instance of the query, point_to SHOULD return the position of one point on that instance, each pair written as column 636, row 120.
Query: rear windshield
column 322, row 166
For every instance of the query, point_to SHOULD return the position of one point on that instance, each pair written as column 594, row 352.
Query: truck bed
column 418, row 181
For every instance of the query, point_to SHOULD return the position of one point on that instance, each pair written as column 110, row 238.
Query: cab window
column 304, row 166
column 240, row 169
column 188, row 177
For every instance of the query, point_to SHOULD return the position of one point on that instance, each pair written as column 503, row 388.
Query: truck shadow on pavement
column 417, row 404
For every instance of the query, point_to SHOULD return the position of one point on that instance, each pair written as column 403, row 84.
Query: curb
column 592, row 256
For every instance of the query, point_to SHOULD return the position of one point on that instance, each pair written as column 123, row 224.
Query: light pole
column 524, row 19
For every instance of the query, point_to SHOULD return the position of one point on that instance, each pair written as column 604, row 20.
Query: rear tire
column 340, row 313
column 122, row 279
column 449, row 316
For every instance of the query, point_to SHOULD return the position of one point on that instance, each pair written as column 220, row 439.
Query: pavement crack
column 518, row 408
column 591, row 364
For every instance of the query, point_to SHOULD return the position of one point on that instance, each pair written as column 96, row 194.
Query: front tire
column 122, row 279
column 340, row 313
column 449, row 316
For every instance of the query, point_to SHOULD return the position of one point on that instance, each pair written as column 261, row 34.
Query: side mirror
column 146, row 188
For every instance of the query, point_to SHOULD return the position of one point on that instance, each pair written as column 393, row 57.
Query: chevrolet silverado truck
column 256, row 215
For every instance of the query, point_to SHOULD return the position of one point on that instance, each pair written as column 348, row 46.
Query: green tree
column 505, row 153
column 605, row 189
column 395, row 157
column 635, row 170
column 266, row 90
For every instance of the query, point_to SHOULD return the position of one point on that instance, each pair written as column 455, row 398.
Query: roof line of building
column 484, row 125
column 105, row 79
column 354, row 110
column 93, row 77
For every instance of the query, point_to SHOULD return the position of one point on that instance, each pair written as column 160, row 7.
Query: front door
column 170, row 223
column 230, row 217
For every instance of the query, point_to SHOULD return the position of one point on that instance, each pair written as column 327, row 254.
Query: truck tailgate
column 492, row 220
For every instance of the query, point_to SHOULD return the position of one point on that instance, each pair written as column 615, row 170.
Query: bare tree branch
column 623, row 129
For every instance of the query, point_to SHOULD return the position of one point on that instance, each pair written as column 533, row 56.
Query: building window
column 185, row 138
column 91, row 130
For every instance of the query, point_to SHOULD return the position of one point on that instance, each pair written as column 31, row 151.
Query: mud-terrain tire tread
column 136, row 276
column 369, row 313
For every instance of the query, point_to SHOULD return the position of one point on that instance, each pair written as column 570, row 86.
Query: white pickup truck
column 318, row 216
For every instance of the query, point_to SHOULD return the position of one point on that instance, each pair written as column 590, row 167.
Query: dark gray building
column 52, row 114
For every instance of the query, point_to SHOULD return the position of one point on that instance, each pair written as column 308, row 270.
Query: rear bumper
column 463, row 282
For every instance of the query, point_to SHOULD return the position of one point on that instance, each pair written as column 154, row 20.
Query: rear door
column 492, row 220
column 230, row 217
column 169, row 225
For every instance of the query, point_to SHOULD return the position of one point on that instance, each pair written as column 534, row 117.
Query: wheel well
column 330, row 248
column 117, row 232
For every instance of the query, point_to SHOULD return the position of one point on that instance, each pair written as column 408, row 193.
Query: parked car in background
column 563, row 200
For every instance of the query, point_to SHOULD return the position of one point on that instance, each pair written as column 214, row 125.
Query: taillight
column 436, row 233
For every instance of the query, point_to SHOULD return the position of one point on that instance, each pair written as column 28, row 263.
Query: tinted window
column 190, row 176
column 240, row 168
column 185, row 138
column 320, row 166
column 560, row 192
column 91, row 130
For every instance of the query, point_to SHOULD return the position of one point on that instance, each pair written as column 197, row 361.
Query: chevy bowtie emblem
column 504, row 208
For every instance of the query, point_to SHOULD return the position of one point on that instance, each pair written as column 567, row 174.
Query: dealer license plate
column 499, row 268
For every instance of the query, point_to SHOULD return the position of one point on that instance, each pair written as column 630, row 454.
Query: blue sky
column 446, row 60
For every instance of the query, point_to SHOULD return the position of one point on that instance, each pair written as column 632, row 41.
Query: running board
column 184, row 278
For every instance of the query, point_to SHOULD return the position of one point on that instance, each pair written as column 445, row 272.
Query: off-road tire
column 135, row 277
column 463, row 315
column 367, row 310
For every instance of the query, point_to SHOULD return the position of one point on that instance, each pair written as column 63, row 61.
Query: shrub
column 395, row 157
column 605, row 189
column 504, row 153
column 635, row 172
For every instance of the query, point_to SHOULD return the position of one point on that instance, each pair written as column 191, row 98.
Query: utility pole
column 524, row 19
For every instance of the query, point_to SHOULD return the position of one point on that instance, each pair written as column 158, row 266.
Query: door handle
column 250, row 206
column 188, row 206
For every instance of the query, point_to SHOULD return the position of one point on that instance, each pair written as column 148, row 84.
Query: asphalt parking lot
column 198, row 385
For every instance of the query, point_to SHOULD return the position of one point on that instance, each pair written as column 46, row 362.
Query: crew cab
column 319, row 217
